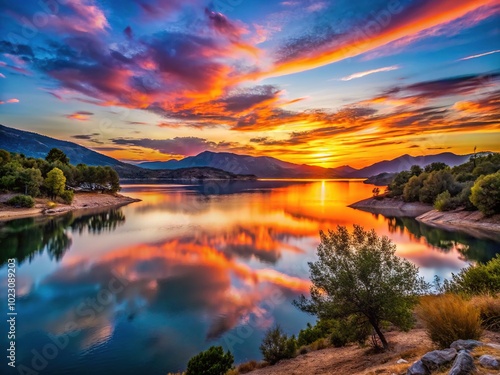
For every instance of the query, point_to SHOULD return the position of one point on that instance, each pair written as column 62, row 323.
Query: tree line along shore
column 467, row 195
column 31, row 186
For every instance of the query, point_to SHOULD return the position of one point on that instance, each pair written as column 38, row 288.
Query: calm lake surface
column 142, row 288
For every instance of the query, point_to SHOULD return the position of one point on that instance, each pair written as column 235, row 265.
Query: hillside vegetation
column 52, row 177
column 474, row 185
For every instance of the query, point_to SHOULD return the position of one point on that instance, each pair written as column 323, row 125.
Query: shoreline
column 470, row 222
column 81, row 201
column 392, row 207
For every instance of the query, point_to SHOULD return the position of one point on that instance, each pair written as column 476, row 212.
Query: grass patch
column 489, row 307
column 51, row 205
column 448, row 318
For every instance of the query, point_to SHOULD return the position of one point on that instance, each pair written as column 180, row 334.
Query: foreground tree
column 358, row 275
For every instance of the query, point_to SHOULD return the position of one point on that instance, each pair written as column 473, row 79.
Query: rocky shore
column 472, row 222
column 468, row 221
column 81, row 201
column 392, row 207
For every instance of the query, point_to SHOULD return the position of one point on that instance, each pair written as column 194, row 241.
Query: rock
column 399, row 361
column 490, row 362
column 418, row 368
column 463, row 365
column 465, row 344
column 438, row 358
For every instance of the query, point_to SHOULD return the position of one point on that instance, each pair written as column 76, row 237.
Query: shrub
column 444, row 202
column 51, row 204
column 67, row 196
column 489, row 307
column 463, row 198
column 322, row 329
column 340, row 337
column 212, row 361
column 318, row 345
column 485, row 194
column 350, row 330
column 21, row 201
column 277, row 345
column 247, row 367
column 476, row 279
column 449, row 317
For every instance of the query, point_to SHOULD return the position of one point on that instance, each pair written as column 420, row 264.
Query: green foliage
column 212, row 361
column 443, row 202
column 67, row 196
column 485, row 194
column 436, row 183
column 476, row 279
column 436, row 166
column 358, row 276
column 55, row 182
column 323, row 328
column 438, row 178
column 56, row 155
column 26, row 175
column 484, row 168
column 416, row 170
column 398, row 183
column 32, row 179
column 463, row 198
column 412, row 188
column 4, row 157
column 276, row 345
column 21, row 201
column 350, row 330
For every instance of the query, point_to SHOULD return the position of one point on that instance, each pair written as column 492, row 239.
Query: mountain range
column 261, row 166
column 36, row 145
column 268, row 167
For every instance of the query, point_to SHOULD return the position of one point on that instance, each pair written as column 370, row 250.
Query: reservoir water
column 144, row 287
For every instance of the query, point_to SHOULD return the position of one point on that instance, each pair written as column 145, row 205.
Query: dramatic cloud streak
column 177, row 69
column 368, row 72
column 479, row 55
column 393, row 23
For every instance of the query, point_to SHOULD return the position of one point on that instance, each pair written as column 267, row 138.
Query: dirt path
column 353, row 360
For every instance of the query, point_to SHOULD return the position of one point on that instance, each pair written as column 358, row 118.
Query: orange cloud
column 80, row 116
column 427, row 15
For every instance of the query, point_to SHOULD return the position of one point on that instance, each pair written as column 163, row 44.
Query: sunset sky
column 325, row 83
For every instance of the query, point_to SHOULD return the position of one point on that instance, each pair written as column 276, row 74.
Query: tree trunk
column 380, row 335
